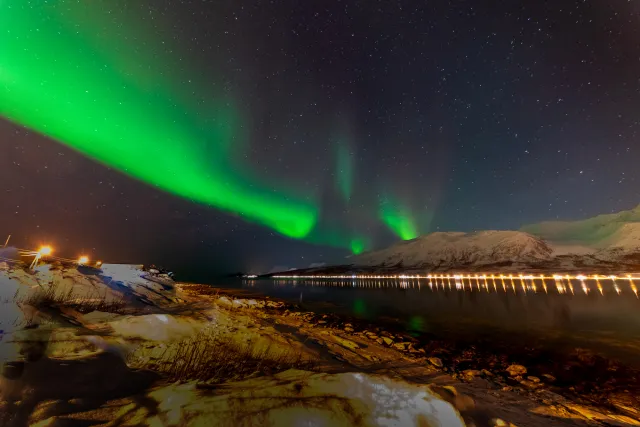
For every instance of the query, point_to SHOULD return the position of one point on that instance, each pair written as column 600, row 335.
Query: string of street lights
column 485, row 281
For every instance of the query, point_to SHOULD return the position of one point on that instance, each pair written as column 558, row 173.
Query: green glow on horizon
column 357, row 246
column 344, row 174
column 399, row 220
column 338, row 237
column 61, row 82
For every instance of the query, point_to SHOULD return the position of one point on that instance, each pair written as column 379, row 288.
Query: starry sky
column 221, row 136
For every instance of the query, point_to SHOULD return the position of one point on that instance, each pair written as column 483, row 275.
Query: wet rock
column 274, row 304
column 402, row 346
column 516, row 370
column 487, row 373
column 533, row 379
column 529, row 384
column 387, row 341
column 626, row 404
column 435, row 361
column 470, row 374
column 498, row 422
column 548, row 378
column 348, row 344
column 348, row 329
column 371, row 358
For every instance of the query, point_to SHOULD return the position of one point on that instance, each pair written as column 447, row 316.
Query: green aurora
column 88, row 98
column 87, row 75
column 399, row 220
column 344, row 172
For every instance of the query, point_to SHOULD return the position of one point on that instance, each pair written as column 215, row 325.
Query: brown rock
column 347, row 343
column 470, row 374
column 401, row 346
column 533, row 379
column 529, row 384
column 548, row 378
column 435, row 361
column 497, row 422
column 387, row 340
column 516, row 370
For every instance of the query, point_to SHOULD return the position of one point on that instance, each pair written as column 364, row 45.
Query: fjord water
column 603, row 317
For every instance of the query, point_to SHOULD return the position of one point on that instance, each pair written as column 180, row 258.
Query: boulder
column 529, row 384
column 402, row 346
column 435, row 361
column 470, row 374
column 516, row 370
column 548, row 378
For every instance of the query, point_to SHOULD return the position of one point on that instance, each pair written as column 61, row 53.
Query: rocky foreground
column 118, row 347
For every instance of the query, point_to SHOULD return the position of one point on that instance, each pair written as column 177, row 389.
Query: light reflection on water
column 592, row 312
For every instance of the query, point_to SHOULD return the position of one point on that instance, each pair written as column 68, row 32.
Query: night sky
column 218, row 136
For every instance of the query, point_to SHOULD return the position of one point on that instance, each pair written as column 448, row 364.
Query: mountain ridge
column 600, row 244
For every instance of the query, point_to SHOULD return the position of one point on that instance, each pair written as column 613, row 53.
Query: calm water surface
column 601, row 316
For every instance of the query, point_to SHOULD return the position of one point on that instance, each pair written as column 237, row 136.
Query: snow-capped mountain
column 451, row 250
column 612, row 237
column 603, row 243
column 599, row 232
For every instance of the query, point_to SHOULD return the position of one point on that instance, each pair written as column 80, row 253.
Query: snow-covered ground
column 299, row 398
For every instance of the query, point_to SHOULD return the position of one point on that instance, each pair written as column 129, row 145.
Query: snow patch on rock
column 303, row 398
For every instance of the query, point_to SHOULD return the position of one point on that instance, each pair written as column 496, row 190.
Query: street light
column 83, row 260
column 45, row 251
column 42, row 252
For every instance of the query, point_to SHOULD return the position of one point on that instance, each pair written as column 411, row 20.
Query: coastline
column 118, row 348
column 566, row 380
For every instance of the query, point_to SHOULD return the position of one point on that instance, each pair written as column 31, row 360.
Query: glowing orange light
column 45, row 251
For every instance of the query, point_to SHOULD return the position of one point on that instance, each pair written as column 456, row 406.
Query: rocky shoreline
column 570, row 378
column 114, row 348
